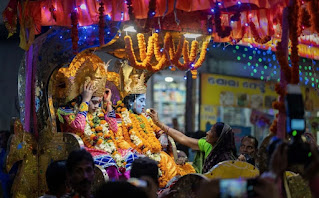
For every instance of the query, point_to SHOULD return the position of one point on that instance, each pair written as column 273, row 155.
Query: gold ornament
column 133, row 80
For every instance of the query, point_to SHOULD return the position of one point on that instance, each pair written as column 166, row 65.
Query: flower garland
column 167, row 55
column 101, row 23
column 314, row 13
column 98, row 136
column 139, row 133
column 130, row 10
column 305, row 18
column 161, row 57
column 256, row 35
column 74, row 31
column 294, row 33
column 218, row 24
column 131, row 55
column 151, row 13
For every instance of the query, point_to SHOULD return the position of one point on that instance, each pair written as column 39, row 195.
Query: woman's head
column 214, row 133
column 135, row 102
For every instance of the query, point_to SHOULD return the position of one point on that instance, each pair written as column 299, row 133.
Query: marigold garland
column 74, row 31
column 294, row 33
column 167, row 55
column 256, row 35
column 131, row 55
column 313, row 8
column 218, row 24
column 101, row 23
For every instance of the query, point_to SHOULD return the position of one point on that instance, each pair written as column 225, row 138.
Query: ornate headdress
column 88, row 71
column 133, row 81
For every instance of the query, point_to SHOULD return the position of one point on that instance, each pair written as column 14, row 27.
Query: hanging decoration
column 166, row 56
column 294, row 19
column 218, row 24
column 101, row 23
column 256, row 35
column 150, row 15
column 314, row 13
column 74, row 31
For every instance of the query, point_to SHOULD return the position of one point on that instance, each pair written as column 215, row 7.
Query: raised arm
column 176, row 135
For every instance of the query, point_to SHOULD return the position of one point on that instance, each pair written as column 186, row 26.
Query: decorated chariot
column 144, row 37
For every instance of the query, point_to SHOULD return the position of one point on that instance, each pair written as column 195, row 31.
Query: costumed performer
column 140, row 131
column 94, row 122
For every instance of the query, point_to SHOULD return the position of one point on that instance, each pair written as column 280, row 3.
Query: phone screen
column 237, row 187
column 233, row 188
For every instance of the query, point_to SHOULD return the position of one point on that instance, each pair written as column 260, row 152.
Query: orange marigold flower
column 103, row 122
column 99, row 142
column 100, row 134
column 98, row 128
column 93, row 129
column 92, row 136
column 91, row 124
column 109, row 141
column 101, row 115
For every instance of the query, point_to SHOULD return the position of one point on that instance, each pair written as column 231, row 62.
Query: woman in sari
column 218, row 146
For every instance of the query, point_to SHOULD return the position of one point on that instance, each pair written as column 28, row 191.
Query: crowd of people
column 74, row 178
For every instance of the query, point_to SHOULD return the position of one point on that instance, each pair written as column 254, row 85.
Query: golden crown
column 133, row 81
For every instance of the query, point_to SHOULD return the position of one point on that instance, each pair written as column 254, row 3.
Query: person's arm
column 176, row 135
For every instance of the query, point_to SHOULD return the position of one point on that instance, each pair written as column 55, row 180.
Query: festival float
column 145, row 37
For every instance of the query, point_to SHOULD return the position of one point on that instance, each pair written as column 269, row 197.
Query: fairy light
column 83, row 7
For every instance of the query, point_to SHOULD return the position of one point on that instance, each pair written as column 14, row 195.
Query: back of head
column 77, row 156
column 119, row 189
column 145, row 167
column 56, row 177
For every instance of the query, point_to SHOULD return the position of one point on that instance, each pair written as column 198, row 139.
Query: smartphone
column 138, row 182
column 237, row 188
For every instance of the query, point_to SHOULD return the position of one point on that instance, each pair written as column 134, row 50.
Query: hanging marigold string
column 74, row 31
column 294, row 20
column 313, row 8
column 168, row 55
column 101, row 23
column 218, row 24
column 145, row 57
column 256, row 34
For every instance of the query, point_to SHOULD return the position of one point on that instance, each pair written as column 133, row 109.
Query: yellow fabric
column 84, row 107
column 233, row 169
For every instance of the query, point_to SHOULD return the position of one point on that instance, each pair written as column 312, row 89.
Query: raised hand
column 88, row 91
column 153, row 114
column 107, row 96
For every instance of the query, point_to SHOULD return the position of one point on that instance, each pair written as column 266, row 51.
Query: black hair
column 145, row 167
column 129, row 99
column 219, row 128
column 228, row 141
column 77, row 156
column 251, row 137
column 119, row 189
column 56, row 176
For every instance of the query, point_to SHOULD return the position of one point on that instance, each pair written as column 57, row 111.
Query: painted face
column 82, row 176
column 211, row 135
column 247, row 146
column 139, row 104
column 94, row 104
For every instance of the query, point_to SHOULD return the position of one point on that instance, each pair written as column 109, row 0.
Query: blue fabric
column 111, row 114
